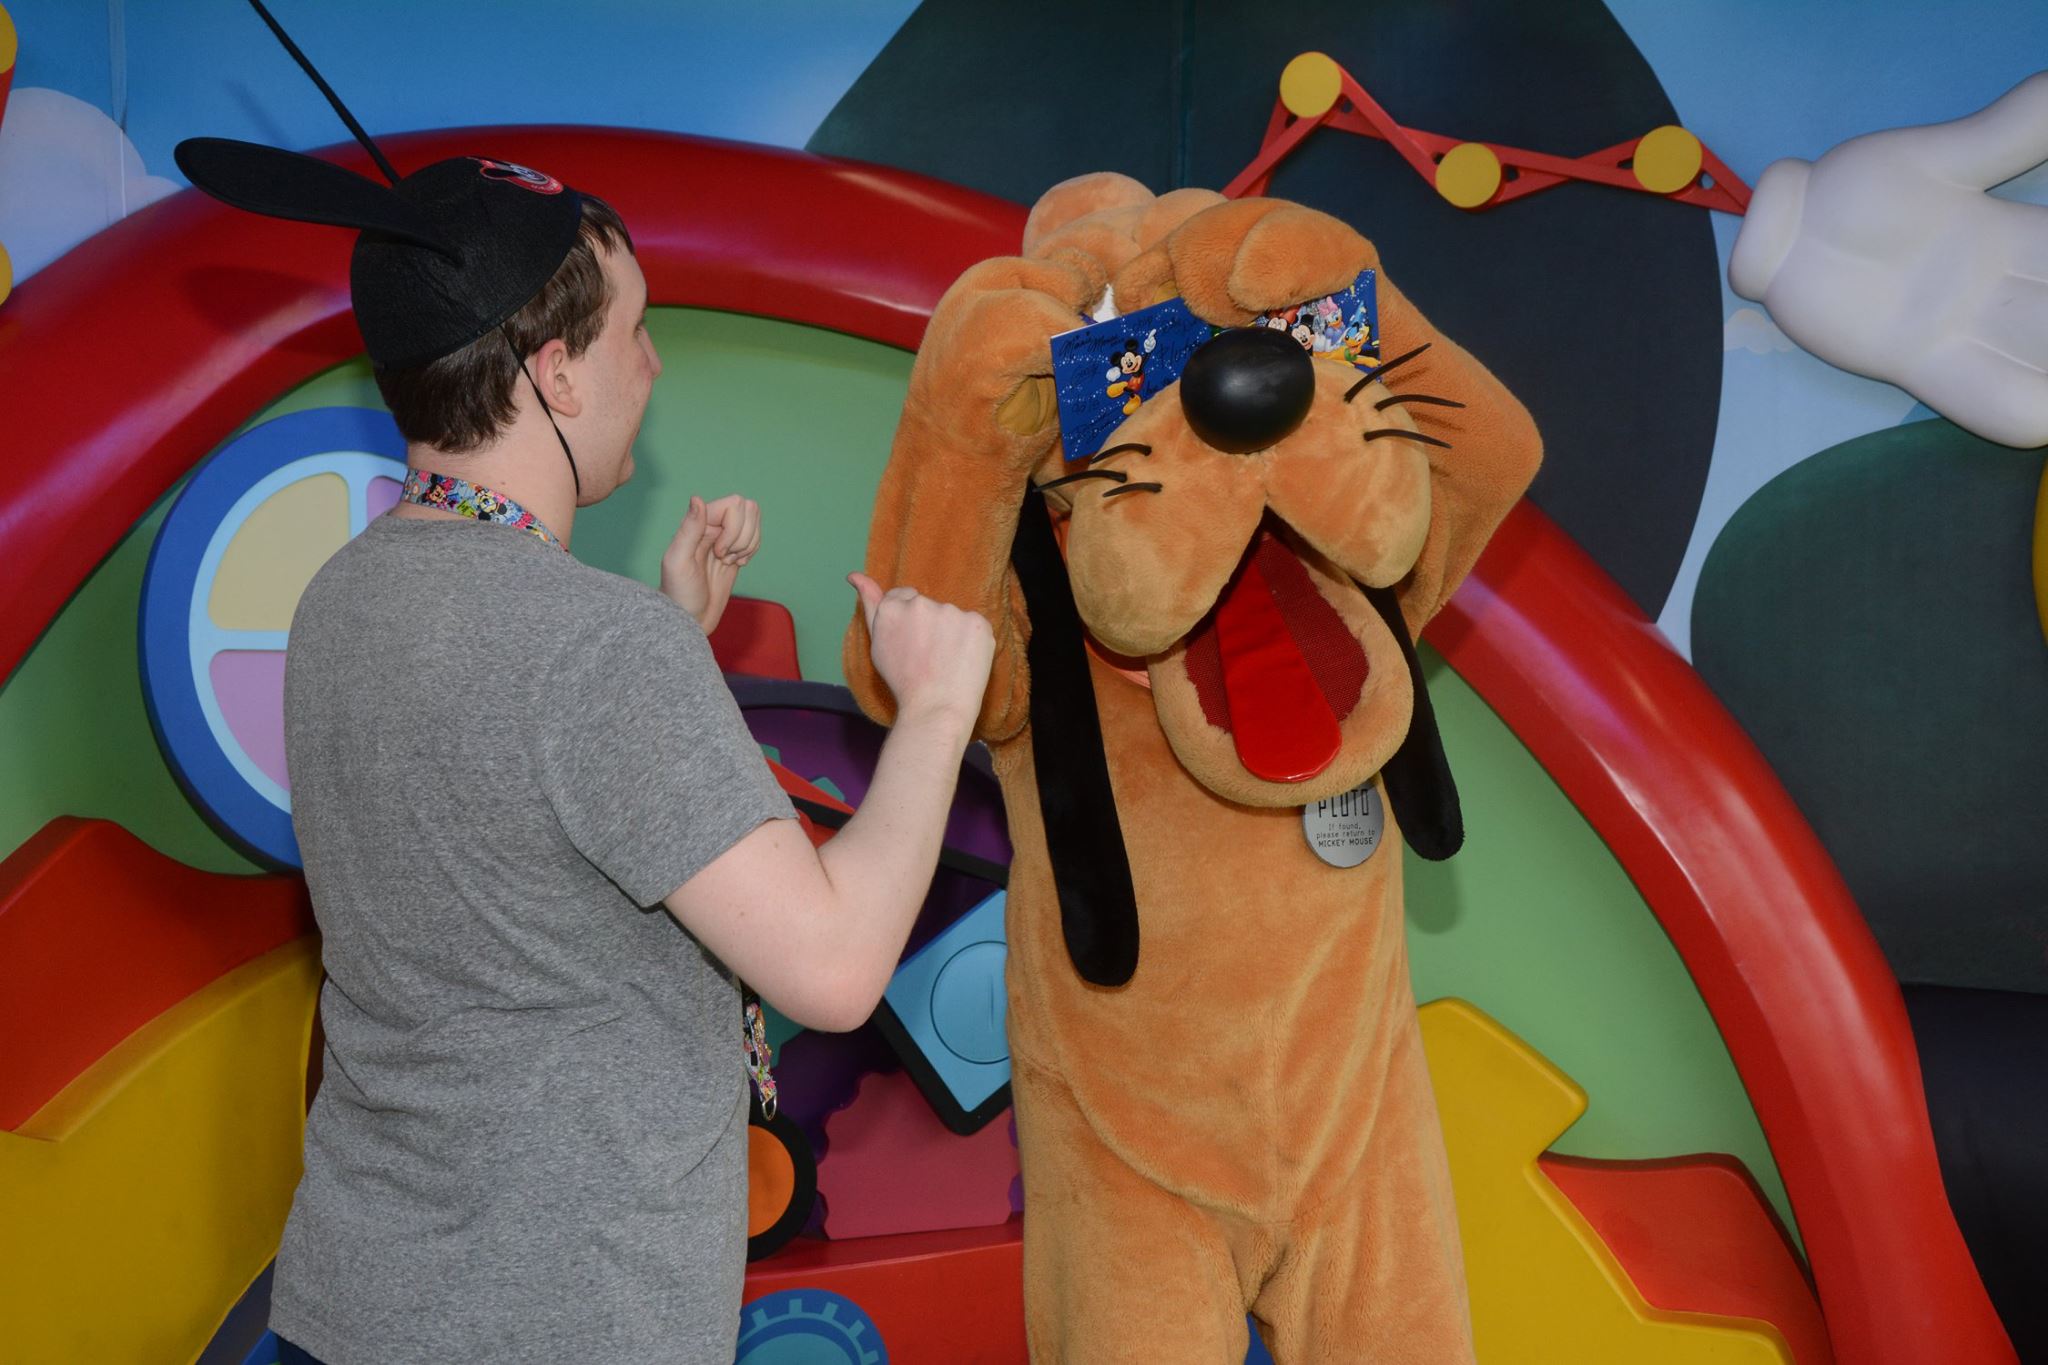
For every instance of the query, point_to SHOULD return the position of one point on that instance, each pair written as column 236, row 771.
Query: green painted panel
column 797, row 419
column 72, row 726
column 1536, row 923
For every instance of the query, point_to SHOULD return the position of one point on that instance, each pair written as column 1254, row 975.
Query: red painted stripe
column 99, row 934
column 1696, row 1235
column 956, row 1295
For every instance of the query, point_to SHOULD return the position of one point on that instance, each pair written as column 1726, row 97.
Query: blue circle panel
column 244, row 804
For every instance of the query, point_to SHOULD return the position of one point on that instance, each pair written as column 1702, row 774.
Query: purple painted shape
column 843, row 748
column 818, row 1074
column 249, row 685
column 381, row 497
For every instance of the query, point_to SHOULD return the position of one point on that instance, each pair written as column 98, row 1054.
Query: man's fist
column 934, row 657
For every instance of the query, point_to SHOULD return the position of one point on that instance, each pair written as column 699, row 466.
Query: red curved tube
column 126, row 361
column 132, row 356
column 1783, row 958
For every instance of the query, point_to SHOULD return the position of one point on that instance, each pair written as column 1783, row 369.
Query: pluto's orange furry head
column 1381, row 483
column 1239, row 584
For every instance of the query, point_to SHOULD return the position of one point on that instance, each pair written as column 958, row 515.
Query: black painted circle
column 1247, row 388
column 1599, row 308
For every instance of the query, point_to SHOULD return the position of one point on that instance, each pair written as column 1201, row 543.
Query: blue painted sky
column 766, row 71
column 1763, row 79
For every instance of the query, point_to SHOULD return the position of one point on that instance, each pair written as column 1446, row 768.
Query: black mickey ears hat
column 446, row 254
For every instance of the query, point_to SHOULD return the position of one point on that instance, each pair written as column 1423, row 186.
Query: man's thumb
column 870, row 595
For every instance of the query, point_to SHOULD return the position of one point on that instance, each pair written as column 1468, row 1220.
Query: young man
column 538, row 837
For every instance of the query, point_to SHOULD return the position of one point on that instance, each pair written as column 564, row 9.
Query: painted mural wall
column 1855, row 576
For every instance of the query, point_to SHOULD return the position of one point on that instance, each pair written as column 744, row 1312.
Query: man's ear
column 559, row 377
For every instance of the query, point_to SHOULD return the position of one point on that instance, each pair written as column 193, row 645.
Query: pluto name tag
column 1344, row 830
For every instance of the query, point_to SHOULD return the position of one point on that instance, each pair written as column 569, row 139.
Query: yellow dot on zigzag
column 10, row 44
column 275, row 553
column 6, row 273
column 1310, row 84
column 1667, row 159
column 1545, row 1289
column 1469, row 174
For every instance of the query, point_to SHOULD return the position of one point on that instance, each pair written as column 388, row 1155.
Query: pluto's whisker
column 1116, row 474
column 1384, row 370
column 1406, row 435
column 1430, row 399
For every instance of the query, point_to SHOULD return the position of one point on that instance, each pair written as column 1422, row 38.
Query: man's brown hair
column 465, row 399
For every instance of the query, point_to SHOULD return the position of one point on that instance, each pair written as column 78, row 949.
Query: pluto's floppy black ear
column 281, row 184
column 1091, row 869
column 1418, row 778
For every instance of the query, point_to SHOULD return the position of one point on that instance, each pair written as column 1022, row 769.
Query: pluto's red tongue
column 1279, row 718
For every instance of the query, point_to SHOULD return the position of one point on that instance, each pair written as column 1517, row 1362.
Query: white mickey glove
column 1886, row 257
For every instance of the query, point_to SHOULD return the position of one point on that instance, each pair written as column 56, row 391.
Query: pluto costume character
column 1228, row 1112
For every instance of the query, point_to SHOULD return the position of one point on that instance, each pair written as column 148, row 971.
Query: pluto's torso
column 1240, row 1065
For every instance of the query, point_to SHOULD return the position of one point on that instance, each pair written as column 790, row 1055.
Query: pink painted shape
column 381, row 497
column 891, row 1166
column 249, row 685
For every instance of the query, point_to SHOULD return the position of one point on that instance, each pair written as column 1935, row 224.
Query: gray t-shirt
column 530, row 1140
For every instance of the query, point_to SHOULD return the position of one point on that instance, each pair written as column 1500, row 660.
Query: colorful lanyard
column 754, row 1030
column 466, row 499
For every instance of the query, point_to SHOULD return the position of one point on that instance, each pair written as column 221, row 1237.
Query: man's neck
column 515, row 466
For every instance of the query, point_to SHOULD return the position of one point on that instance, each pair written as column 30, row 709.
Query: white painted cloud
column 66, row 172
column 1750, row 329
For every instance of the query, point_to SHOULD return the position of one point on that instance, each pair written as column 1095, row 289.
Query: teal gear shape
column 808, row 1327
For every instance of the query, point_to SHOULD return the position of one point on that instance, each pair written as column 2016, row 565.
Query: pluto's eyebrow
column 1132, row 488
column 1138, row 446
column 1401, row 359
column 1431, row 399
column 1116, row 474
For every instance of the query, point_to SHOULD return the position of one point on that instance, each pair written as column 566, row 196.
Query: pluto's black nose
column 1247, row 388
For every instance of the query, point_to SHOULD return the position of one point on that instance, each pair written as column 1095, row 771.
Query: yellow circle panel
column 1469, row 175
column 10, row 44
column 1310, row 84
column 1667, row 159
column 275, row 553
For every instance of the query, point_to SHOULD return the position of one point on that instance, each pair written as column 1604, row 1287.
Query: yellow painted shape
column 140, row 1202
column 276, row 552
column 1667, row 159
column 10, row 41
column 6, row 273
column 2041, row 551
column 1469, row 174
column 1310, row 84
column 1545, row 1289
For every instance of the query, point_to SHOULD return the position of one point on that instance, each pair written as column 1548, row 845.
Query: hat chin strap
column 574, row 477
